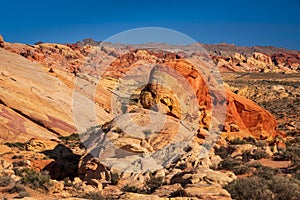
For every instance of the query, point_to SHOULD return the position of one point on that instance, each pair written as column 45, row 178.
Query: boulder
column 135, row 196
column 203, row 176
column 251, row 119
column 207, row 192
column 167, row 190
column 56, row 187
column 241, row 149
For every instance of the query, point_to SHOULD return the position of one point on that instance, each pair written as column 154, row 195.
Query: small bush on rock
column 23, row 194
column 237, row 141
column 21, row 146
column 228, row 164
column 5, row 181
column 115, row 178
column 131, row 188
column 153, row 183
column 17, row 188
column 36, row 179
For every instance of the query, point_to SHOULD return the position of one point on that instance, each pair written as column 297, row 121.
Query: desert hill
column 133, row 122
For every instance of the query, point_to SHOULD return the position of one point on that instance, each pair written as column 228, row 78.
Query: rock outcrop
column 136, row 146
column 244, row 117
column 34, row 103
column 258, row 62
column 287, row 60
column 154, row 130
column 1, row 41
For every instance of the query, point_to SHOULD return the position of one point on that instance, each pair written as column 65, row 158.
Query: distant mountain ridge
column 228, row 57
column 221, row 49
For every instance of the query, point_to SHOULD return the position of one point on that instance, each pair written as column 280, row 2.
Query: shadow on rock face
column 65, row 164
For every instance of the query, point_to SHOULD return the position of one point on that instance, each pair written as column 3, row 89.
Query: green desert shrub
column 71, row 137
column 267, row 172
column 254, row 164
column 182, row 166
column 250, row 140
column 256, row 155
column 147, row 132
column 266, row 183
column 291, row 153
column 17, row 188
column 261, row 143
column 284, row 188
column 241, row 169
column 153, row 183
column 222, row 152
column 228, row 163
column 131, row 188
column 20, row 145
column 36, row 179
column 237, row 141
column 69, row 183
column 294, row 150
column 249, row 188
column 115, row 178
column 118, row 130
column 297, row 175
column 259, row 154
column 5, row 181
column 284, row 155
column 22, row 195
column 17, row 157
column 179, row 193
column 150, row 186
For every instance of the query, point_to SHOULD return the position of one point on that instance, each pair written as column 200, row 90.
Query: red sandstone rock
column 244, row 117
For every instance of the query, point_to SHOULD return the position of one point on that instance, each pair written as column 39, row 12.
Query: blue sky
column 255, row 22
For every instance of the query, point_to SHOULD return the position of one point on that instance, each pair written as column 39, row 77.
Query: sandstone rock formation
column 244, row 118
column 34, row 103
column 278, row 93
column 133, row 134
column 36, row 97
column 124, row 147
column 155, row 121
column 285, row 60
column 243, row 114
